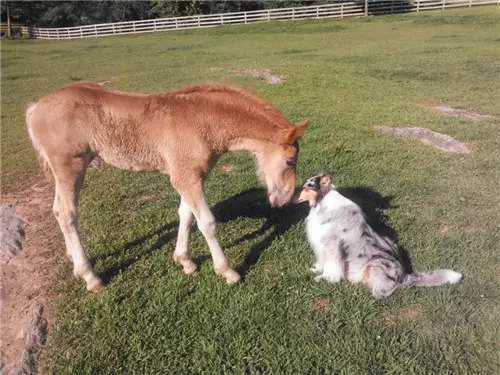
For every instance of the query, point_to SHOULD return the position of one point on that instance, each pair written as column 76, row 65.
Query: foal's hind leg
column 69, row 174
column 193, row 195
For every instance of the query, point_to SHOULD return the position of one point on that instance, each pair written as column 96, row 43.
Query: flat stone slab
column 461, row 113
column 437, row 140
column 267, row 74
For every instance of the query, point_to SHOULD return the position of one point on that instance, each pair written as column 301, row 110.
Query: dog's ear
column 325, row 183
column 325, row 180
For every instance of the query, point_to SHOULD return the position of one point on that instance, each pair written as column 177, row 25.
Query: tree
column 76, row 13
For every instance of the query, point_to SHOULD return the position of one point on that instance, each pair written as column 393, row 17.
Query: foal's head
column 276, row 166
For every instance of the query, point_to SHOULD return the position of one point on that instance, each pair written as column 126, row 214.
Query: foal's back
column 149, row 132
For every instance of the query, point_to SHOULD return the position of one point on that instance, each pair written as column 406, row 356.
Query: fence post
column 199, row 22
column 57, row 33
column 176, row 24
column 268, row 16
column 366, row 8
column 341, row 10
column 133, row 25
column 154, row 25
column 95, row 30
column 470, row 3
column 245, row 17
column 81, row 33
column 418, row 6
column 317, row 12
column 293, row 14
column 222, row 19
column 444, row 3
column 392, row 6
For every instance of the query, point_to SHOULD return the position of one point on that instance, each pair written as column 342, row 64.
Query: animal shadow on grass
column 254, row 204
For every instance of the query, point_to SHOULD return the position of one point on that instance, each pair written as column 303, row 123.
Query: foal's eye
column 291, row 163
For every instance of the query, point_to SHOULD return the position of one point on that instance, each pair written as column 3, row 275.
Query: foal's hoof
column 95, row 285
column 232, row 277
column 189, row 267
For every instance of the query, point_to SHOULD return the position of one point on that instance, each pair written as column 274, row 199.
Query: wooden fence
column 332, row 10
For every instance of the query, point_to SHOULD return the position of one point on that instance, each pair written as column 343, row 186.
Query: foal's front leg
column 193, row 198
column 181, row 254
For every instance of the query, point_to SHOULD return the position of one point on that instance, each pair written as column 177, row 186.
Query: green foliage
column 75, row 13
column 346, row 76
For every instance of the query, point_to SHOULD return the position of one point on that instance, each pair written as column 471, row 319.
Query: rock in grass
column 34, row 337
column 440, row 141
column 462, row 113
column 11, row 232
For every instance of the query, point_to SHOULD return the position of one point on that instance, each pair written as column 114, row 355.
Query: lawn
column 346, row 76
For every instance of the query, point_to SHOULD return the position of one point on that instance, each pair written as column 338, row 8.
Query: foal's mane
column 238, row 97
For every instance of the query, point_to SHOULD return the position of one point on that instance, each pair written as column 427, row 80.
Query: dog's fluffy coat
column 346, row 247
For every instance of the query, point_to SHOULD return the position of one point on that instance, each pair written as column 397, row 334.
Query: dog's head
column 315, row 188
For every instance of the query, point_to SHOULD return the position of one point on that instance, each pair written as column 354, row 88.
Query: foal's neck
column 248, row 144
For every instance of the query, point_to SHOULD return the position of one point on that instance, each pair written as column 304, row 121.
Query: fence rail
column 333, row 10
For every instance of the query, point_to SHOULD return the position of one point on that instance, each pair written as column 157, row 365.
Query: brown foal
column 181, row 133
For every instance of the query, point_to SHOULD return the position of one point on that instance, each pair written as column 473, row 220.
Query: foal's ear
column 294, row 133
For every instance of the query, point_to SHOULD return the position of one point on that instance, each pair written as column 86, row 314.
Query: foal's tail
column 434, row 278
column 41, row 155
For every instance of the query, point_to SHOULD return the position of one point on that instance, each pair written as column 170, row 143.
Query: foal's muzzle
column 279, row 199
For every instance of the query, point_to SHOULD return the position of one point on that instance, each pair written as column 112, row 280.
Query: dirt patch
column 400, row 315
column 461, row 113
column 321, row 303
column 267, row 74
column 24, row 280
column 228, row 169
column 145, row 198
column 437, row 140
column 444, row 227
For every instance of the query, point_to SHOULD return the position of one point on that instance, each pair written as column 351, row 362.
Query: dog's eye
column 291, row 163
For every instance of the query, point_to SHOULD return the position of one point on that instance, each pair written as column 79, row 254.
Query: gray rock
column 11, row 232
column 462, row 113
column 440, row 141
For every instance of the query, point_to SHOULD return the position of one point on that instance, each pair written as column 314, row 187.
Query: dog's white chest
column 316, row 230
column 319, row 223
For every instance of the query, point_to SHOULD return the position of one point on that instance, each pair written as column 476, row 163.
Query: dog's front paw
column 328, row 277
column 315, row 269
column 318, row 278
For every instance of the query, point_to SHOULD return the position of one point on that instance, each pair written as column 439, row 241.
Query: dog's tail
column 434, row 278
column 41, row 157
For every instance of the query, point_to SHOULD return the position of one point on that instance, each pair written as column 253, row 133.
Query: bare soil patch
column 25, row 280
column 460, row 112
column 145, row 198
column 437, row 140
column 228, row 169
column 398, row 316
column 444, row 227
column 321, row 303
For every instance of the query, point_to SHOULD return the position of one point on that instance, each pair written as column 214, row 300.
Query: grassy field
column 347, row 76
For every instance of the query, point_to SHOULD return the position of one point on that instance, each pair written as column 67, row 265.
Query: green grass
column 346, row 76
